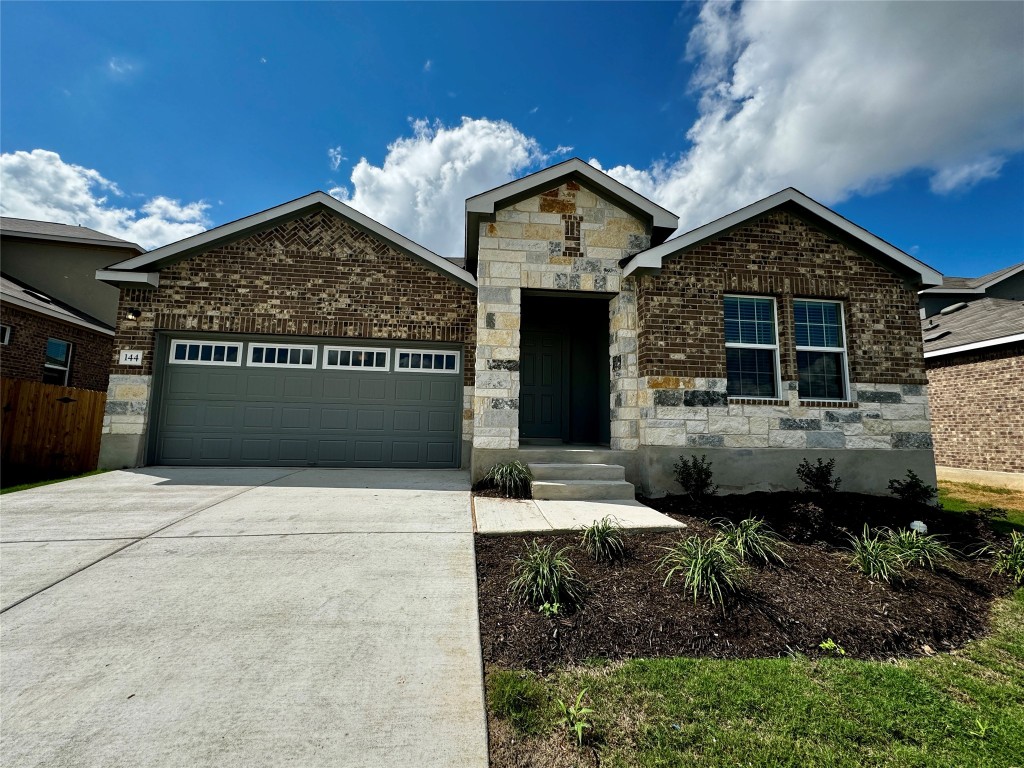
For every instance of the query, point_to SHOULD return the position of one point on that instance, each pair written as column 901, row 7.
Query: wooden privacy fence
column 50, row 431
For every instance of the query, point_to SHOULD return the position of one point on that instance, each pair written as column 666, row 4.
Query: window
column 431, row 360
column 751, row 347
column 206, row 353
column 58, row 362
column 5, row 334
column 356, row 358
column 291, row 356
column 820, row 349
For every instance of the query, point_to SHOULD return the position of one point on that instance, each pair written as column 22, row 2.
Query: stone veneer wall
column 565, row 239
column 317, row 275
column 25, row 355
column 682, row 387
column 977, row 403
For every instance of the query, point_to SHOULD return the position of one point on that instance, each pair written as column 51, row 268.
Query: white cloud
column 840, row 98
column 534, row 110
column 335, row 156
column 39, row 185
column 428, row 65
column 421, row 187
column 119, row 66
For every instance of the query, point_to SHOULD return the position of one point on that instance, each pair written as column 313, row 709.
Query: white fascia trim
column 996, row 280
column 652, row 258
column 151, row 279
column 940, row 289
column 226, row 231
column 41, row 310
column 114, row 245
column 486, row 201
column 975, row 345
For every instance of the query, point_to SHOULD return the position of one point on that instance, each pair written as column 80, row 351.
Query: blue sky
column 153, row 120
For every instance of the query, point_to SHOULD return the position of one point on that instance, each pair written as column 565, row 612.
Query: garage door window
column 355, row 358
column 427, row 360
column 281, row 357
column 205, row 353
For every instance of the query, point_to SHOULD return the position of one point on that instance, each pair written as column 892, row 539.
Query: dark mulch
column 629, row 613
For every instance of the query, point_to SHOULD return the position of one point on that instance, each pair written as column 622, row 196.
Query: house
column 57, row 320
column 576, row 332
column 973, row 331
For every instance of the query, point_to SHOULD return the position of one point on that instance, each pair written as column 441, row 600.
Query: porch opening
column 564, row 370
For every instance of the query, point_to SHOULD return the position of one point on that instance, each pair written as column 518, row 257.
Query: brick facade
column 24, row 357
column 317, row 275
column 977, row 406
column 680, row 310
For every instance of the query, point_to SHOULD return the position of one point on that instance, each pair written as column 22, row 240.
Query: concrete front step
column 583, row 490
column 575, row 471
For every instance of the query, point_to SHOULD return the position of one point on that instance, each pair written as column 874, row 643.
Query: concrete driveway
column 241, row 617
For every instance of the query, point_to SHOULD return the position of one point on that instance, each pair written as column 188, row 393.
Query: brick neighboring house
column 311, row 335
column 973, row 331
column 58, row 321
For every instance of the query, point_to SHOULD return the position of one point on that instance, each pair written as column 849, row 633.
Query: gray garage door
column 230, row 402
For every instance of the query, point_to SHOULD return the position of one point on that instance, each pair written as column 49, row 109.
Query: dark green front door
column 541, row 386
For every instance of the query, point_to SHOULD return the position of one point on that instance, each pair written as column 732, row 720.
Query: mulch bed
column 781, row 610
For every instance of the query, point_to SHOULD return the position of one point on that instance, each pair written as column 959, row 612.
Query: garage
column 275, row 401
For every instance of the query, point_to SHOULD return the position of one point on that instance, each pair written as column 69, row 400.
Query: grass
column 950, row 710
column 26, row 486
column 968, row 497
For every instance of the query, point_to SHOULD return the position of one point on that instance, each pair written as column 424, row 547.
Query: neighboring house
column 311, row 335
column 58, row 321
column 973, row 332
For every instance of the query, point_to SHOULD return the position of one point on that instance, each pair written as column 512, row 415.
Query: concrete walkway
column 498, row 516
column 241, row 617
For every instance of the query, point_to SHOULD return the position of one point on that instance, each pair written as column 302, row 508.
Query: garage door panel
column 215, row 448
column 295, row 418
column 331, row 417
column 257, row 417
column 298, row 387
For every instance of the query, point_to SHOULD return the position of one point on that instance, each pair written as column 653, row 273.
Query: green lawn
column 967, row 497
column 960, row 709
column 26, row 486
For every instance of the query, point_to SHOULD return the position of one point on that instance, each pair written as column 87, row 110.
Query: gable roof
column 16, row 293
column 651, row 259
column 30, row 229
column 144, row 269
column 982, row 323
column 482, row 207
column 976, row 285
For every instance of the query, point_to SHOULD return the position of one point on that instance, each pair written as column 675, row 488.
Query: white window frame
column 254, row 344
column 66, row 368
column 400, row 352
column 843, row 354
column 367, row 368
column 236, row 344
column 5, row 335
column 774, row 347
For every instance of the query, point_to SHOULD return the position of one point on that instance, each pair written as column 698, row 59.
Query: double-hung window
column 820, row 349
column 751, row 347
column 57, row 365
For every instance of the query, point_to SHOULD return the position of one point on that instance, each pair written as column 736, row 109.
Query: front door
column 541, row 386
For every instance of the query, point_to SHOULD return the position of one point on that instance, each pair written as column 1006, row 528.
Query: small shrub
column 1009, row 561
column 512, row 478
column 807, row 522
column 819, row 476
column 925, row 550
column 519, row 698
column 709, row 567
column 832, row 647
column 603, row 540
column 551, row 609
column 753, row 541
column 574, row 716
column 543, row 575
column 913, row 490
column 695, row 478
column 875, row 556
